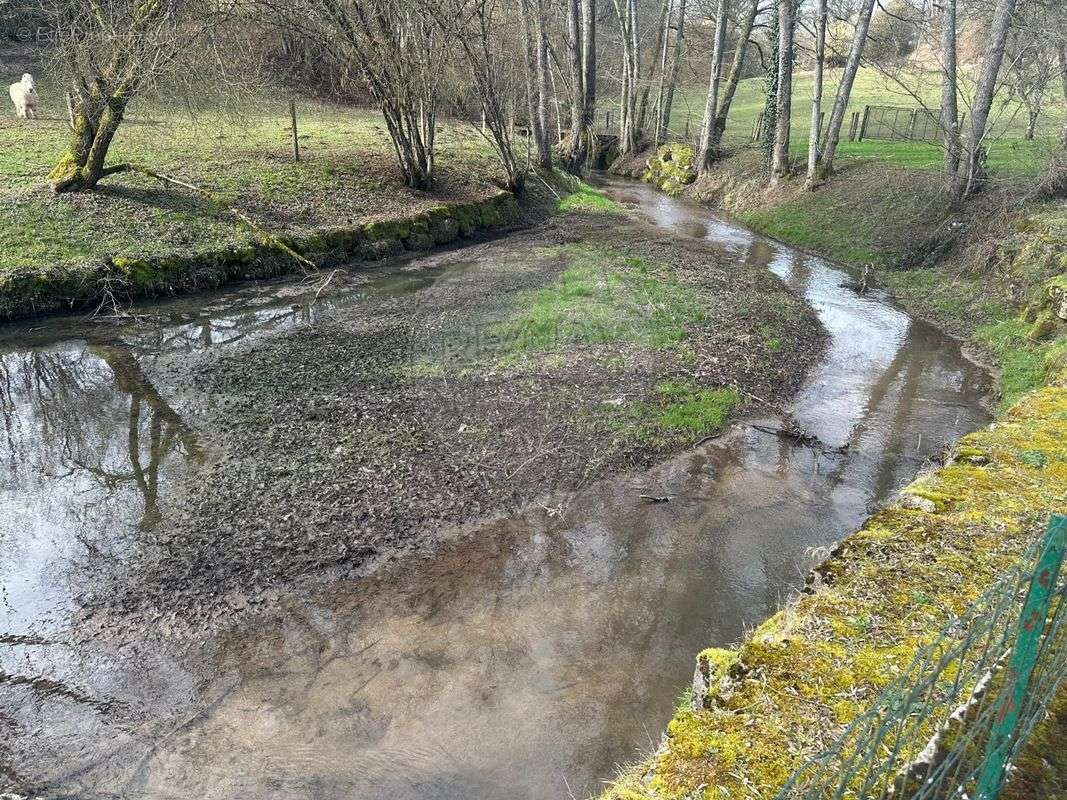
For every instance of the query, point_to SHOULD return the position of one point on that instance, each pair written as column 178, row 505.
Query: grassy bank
column 135, row 236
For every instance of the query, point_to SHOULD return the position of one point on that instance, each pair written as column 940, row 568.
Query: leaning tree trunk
column 672, row 77
column 974, row 152
column 950, row 125
column 707, row 127
column 736, row 68
column 844, row 89
column 816, row 94
column 659, row 67
column 780, row 153
column 97, row 117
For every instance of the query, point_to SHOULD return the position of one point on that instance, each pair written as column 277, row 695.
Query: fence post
column 853, row 122
column 863, row 125
column 296, row 139
column 757, row 127
column 911, row 125
column 1024, row 654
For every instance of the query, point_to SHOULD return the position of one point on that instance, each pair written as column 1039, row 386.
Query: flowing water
column 526, row 659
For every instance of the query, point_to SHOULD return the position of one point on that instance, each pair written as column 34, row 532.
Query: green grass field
column 347, row 174
column 1009, row 153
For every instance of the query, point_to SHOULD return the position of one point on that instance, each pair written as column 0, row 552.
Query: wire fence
column 893, row 122
column 953, row 722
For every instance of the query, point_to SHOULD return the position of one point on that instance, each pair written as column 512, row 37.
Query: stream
column 528, row 658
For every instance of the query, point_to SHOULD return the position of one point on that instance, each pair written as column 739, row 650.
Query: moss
column 800, row 677
column 671, row 168
column 60, row 287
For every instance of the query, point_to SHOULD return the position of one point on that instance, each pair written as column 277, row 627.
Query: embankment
column 62, row 287
column 759, row 710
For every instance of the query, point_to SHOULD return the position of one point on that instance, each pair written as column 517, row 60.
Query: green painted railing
column 956, row 718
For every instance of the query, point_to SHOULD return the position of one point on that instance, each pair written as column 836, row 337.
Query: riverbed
column 523, row 656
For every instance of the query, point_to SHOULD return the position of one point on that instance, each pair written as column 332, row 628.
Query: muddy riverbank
column 253, row 453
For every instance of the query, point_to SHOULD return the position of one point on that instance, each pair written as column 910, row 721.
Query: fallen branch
column 266, row 238
column 798, row 436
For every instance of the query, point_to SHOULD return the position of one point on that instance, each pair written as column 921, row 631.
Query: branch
column 266, row 238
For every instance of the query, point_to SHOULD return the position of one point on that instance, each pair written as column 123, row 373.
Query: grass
column 1009, row 152
column 587, row 198
column 694, row 410
column 604, row 296
column 1024, row 364
column 347, row 175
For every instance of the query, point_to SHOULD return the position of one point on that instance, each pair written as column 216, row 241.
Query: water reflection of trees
column 76, row 418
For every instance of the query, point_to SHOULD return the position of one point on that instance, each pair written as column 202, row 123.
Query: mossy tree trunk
column 97, row 117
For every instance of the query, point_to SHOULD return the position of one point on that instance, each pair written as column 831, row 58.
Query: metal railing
column 955, row 719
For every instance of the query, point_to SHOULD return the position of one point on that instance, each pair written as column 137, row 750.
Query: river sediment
column 254, row 454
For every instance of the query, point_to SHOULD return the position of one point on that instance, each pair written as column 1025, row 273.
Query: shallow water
column 526, row 660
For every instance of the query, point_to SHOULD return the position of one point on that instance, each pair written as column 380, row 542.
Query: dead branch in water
column 266, row 238
column 798, row 436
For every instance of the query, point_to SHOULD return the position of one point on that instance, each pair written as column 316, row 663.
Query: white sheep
column 24, row 96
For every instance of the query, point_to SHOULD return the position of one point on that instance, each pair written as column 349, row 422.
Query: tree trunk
column 536, row 85
column 974, row 153
column 672, row 78
column 659, row 67
column 816, row 98
column 950, row 126
column 589, row 57
column 780, row 154
column 708, row 138
column 576, row 146
column 736, row 68
column 1063, row 78
column 626, row 10
column 844, row 89
column 1031, row 124
column 96, row 121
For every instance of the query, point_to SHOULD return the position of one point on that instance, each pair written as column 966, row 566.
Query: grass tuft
column 604, row 297
column 586, row 198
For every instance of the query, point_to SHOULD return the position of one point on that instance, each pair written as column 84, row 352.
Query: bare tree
column 737, row 67
column 844, row 89
column 476, row 25
column 110, row 52
column 1033, row 66
column 535, row 38
column 665, row 103
column 395, row 49
column 816, row 98
column 629, row 132
column 784, row 100
column 578, row 142
column 708, row 127
column 973, row 156
column 950, row 130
